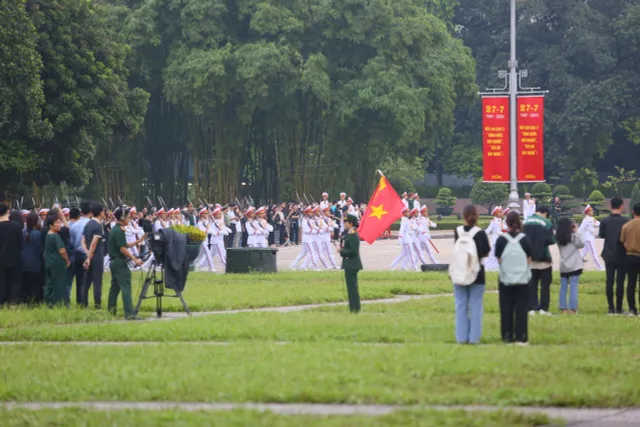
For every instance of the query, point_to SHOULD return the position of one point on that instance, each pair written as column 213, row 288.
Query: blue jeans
column 469, row 311
column 572, row 282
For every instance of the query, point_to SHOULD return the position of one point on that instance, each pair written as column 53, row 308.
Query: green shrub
column 194, row 234
column 444, row 198
column 562, row 190
column 596, row 198
column 489, row 194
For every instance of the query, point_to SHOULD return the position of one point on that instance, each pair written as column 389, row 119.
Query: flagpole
column 380, row 172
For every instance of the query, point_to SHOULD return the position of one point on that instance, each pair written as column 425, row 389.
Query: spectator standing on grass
column 471, row 245
column 93, row 236
column 79, row 255
column 514, row 252
column 539, row 230
column 630, row 238
column 613, row 254
column 11, row 243
column 56, row 263
column 571, row 263
column 32, row 262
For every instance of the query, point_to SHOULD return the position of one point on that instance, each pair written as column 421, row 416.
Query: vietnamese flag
column 385, row 207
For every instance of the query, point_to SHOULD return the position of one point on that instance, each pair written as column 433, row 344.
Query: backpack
column 465, row 265
column 514, row 266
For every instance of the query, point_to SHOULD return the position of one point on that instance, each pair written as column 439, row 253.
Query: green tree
column 587, row 178
column 542, row 193
column 635, row 195
column 616, row 182
column 489, row 194
column 402, row 173
column 21, row 97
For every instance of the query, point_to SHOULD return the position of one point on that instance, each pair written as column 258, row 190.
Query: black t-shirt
column 501, row 243
column 482, row 245
column 94, row 228
column 11, row 242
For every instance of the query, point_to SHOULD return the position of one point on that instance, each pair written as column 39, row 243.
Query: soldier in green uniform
column 120, row 273
column 351, row 262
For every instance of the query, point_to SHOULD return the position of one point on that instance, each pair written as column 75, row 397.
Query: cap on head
column 496, row 210
column 343, row 194
column 350, row 200
column 250, row 211
column 133, row 210
column 414, row 211
column 506, row 211
column 424, row 209
column 587, row 209
column 325, row 194
column 527, row 194
column 217, row 211
column 260, row 210
column 202, row 211
column 352, row 219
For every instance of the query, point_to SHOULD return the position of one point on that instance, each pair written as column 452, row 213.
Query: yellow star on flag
column 378, row 211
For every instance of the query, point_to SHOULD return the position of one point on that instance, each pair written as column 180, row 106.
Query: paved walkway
column 624, row 417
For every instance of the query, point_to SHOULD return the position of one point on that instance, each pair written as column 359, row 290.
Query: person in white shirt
column 321, row 231
column 405, row 200
column 161, row 222
column 204, row 261
column 218, row 231
column 261, row 229
column 425, row 234
column 324, row 203
column 528, row 206
column 343, row 200
column 416, row 202
column 326, row 241
column 493, row 232
column 414, row 217
column 588, row 231
column 406, row 236
column 308, row 252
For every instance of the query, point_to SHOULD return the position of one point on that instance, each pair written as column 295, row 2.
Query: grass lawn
column 212, row 292
column 242, row 418
column 394, row 354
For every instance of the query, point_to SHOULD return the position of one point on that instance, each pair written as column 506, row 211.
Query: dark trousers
column 10, row 284
column 79, row 271
column 33, row 287
column 294, row 233
column 93, row 275
column 616, row 272
column 633, row 270
column 120, row 282
column 351, row 277
column 542, row 277
column 514, row 302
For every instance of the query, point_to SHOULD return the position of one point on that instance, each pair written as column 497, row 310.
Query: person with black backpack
column 466, row 271
column 513, row 251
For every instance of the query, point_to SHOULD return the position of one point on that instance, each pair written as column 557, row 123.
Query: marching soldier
column 425, row 237
column 204, row 261
column 493, row 232
column 342, row 202
column 351, row 263
column 588, row 230
column 528, row 206
column 324, row 203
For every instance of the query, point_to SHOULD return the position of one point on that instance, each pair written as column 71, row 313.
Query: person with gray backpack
column 466, row 271
column 513, row 250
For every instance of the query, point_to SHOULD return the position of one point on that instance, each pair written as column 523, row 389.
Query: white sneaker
column 522, row 344
column 292, row 268
column 532, row 313
column 544, row 313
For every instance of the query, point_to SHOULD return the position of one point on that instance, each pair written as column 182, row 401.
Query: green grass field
column 401, row 353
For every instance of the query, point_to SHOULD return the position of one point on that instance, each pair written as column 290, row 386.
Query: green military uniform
column 55, row 286
column 351, row 264
column 120, row 273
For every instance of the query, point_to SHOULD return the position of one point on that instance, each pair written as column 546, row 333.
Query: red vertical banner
column 530, row 144
column 495, row 138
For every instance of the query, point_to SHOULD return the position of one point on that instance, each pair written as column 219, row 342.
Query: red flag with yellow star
column 385, row 207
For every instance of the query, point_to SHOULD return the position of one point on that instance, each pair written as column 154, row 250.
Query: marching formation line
column 575, row 416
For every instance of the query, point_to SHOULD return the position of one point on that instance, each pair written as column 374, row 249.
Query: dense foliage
column 272, row 99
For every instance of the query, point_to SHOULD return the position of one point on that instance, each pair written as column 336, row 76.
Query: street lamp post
column 514, row 199
column 513, row 81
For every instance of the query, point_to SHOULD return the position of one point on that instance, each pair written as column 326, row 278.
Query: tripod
column 155, row 275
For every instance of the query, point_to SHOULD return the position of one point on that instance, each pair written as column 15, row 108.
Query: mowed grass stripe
column 421, row 321
column 211, row 292
column 326, row 372
column 244, row 418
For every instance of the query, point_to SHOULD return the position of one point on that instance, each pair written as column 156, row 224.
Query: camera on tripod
column 157, row 245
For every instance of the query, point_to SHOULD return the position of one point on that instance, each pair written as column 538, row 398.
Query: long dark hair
column 564, row 231
column 513, row 221
column 33, row 223
column 470, row 214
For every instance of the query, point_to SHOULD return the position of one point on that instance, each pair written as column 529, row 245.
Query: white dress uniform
column 493, row 232
column 407, row 255
column 308, row 250
column 321, row 238
column 204, row 261
column 425, row 237
column 218, row 231
column 528, row 208
column 331, row 227
column 588, row 231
